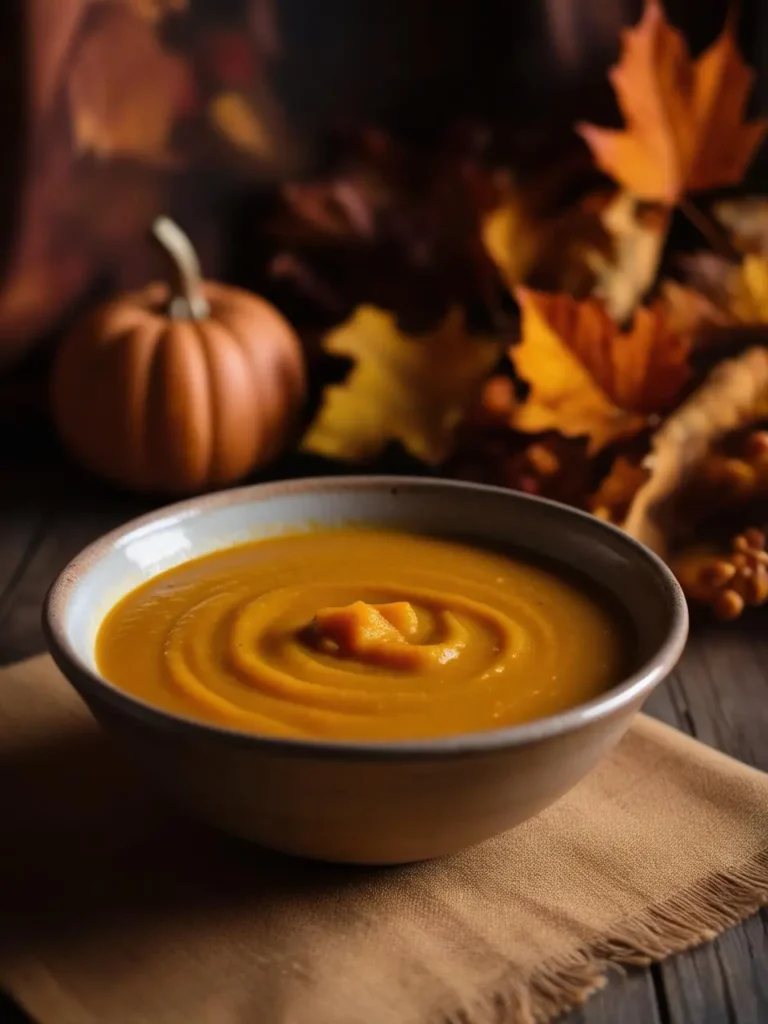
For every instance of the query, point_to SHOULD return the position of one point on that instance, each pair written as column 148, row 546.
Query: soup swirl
column 363, row 634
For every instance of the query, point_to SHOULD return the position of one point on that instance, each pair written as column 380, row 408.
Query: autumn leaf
column 414, row 390
column 638, row 234
column 586, row 376
column 684, row 118
column 124, row 88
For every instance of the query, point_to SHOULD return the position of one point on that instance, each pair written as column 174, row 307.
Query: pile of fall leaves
column 613, row 372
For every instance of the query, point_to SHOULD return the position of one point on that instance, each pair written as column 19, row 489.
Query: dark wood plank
column 725, row 980
column 627, row 999
column 44, row 522
column 47, row 553
column 722, row 684
column 720, row 695
column 21, row 529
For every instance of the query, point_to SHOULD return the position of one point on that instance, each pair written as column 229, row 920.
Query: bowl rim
column 89, row 683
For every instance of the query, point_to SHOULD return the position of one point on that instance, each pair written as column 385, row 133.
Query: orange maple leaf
column 587, row 377
column 685, row 130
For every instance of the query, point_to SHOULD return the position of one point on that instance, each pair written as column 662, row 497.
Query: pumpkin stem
column 188, row 302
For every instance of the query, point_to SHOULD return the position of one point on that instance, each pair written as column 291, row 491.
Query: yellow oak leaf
column 414, row 390
column 589, row 378
column 684, row 118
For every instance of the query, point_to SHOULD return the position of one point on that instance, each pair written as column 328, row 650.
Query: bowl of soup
column 373, row 670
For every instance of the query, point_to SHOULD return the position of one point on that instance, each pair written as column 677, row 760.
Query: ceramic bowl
column 365, row 802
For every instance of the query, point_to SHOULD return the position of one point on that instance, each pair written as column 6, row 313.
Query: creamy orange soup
column 363, row 634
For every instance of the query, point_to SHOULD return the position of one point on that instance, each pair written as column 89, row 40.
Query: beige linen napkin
column 115, row 909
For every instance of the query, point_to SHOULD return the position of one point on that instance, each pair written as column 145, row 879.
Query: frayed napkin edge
column 689, row 919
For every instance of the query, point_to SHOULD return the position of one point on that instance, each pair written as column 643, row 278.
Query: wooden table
column 719, row 694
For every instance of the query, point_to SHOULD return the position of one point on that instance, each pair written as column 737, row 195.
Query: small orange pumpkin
column 178, row 388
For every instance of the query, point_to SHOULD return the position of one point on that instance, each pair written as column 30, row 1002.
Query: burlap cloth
column 115, row 910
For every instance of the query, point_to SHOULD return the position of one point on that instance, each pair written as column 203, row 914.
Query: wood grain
column 719, row 694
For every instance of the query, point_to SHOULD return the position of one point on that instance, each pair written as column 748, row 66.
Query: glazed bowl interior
column 120, row 561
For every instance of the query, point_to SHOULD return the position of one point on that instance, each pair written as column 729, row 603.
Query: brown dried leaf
column 125, row 88
column 733, row 396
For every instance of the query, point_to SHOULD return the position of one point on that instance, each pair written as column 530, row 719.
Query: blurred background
column 118, row 110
